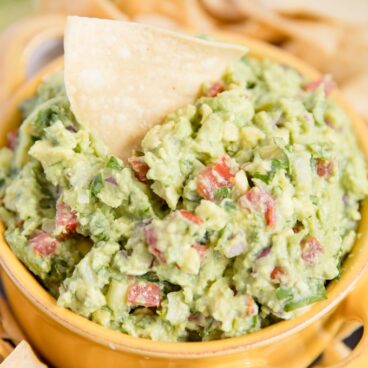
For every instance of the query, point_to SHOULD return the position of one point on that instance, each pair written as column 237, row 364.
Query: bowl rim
column 354, row 265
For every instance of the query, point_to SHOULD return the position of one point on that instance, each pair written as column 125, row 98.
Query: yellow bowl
column 68, row 340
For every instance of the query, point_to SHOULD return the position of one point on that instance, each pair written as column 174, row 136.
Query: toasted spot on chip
column 123, row 77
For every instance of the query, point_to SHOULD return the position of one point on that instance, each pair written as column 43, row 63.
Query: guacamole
column 234, row 213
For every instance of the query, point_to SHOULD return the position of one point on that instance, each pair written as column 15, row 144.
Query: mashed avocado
column 233, row 215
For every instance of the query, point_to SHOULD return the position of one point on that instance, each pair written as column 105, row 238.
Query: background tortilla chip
column 185, row 13
column 224, row 10
column 346, row 60
column 351, row 11
column 121, row 77
column 328, row 34
column 9, row 327
column 157, row 20
column 22, row 356
column 321, row 33
column 356, row 92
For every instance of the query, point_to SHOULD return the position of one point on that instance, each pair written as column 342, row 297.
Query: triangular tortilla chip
column 9, row 324
column 356, row 92
column 22, row 356
column 352, row 11
column 122, row 77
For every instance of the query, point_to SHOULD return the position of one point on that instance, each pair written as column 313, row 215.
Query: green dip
column 234, row 214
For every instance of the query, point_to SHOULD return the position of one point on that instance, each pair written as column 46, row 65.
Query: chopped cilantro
column 264, row 177
column 113, row 163
column 320, row 295
column 207, row 329
column 283, row 293
column 96, row 184
column 280, row 164
column 275, row 166
column 222, row 193
column 42, row 119
column 149, row 276
column 229, row 205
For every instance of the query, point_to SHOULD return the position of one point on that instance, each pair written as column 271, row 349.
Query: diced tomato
column 151, row 239
column 191, row 217
column 201, row 249
column 11, row 139
column 270, row 214
column 215, row 177
column 328, row 85
column 66, row 219
column 223, row 169
column 311, row 249
column 43, row 243
column 139, row 167
column 251, row 305
column 146, row 294
column 324, row 168
column 206, row 183
column 279, row 275
column 259, row 199
column 215, row 89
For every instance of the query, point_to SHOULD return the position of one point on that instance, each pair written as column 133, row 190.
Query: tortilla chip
column 307, row 51
column 224, row 10
column 134, row 8
column 348, row 59
column 157, row 20
column 351, row 58
column 256, row 29
column 91, row 8
column 10, row 326
column 196, row 17
column 186, row 13
column 5, row 349
column 323, row 34
column 352, row 11
column 356, row 93
column 122, row 78
column 22, row 356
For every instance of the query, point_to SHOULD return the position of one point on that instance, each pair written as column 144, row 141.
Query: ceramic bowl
column 66, row 339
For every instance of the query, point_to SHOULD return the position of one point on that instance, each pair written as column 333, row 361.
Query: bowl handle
column 18, row 45
column 355, row 311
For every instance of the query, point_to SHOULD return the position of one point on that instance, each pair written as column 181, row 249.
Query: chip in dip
column 233, row 214
column 148, row 71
